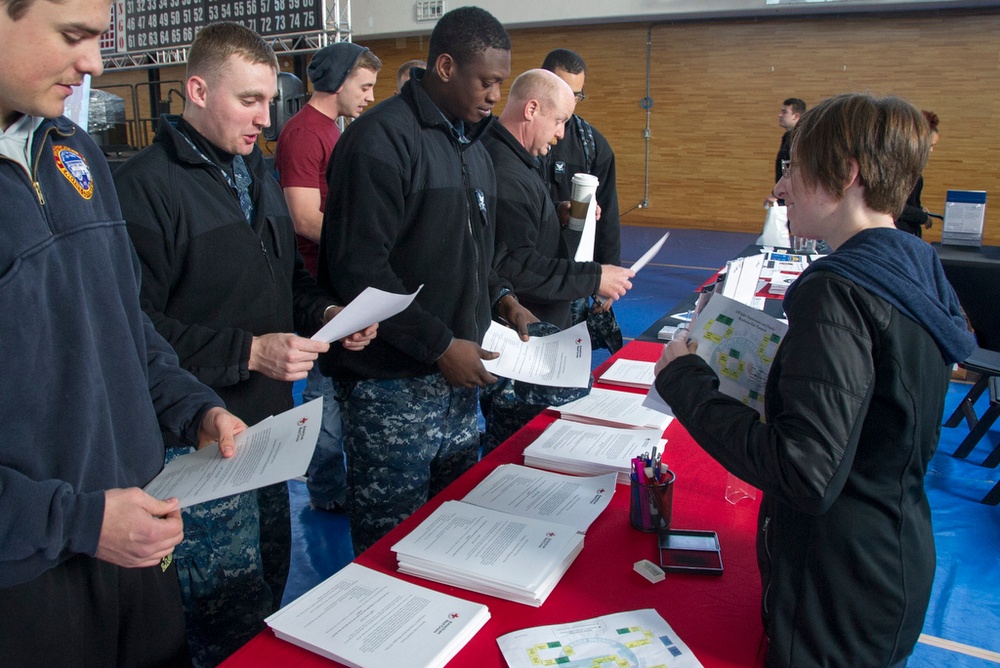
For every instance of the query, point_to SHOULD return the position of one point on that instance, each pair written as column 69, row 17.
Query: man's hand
column 284, row 356
column 462, row 364
column 614, row 281
column 138, row 530
column 678, row 347
column 563, row 208
column 220, row 426
column 357, row 340
column 516, row 315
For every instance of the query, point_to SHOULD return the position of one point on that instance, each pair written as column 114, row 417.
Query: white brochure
column 634, row 638
column 272, row 451
column 558, row 360
column 371, row 306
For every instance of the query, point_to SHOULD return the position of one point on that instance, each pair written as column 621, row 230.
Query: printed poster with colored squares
column 639, row 638
column 740, row 343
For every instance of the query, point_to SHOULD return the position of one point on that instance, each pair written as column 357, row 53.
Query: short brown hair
column 216, row 42
column 887, row 136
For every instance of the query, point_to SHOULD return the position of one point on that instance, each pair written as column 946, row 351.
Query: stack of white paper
column 513, row 536
column 584, row 449
column 525, row 492
column 515, row 558
column 630, row 373
column 366, row 619
column 613, row 409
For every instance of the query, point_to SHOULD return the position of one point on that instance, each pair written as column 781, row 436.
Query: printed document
column 639, row 638
column 371, row 306
column 366, row 619
column 586, row 449
column 585, row 251
column 558, row 360
column 527, row 492
column 650, row 254
column 272, row 451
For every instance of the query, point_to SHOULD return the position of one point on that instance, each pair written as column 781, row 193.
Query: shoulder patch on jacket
column 75, row 169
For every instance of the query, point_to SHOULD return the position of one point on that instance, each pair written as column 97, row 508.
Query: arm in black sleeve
column 522, row 219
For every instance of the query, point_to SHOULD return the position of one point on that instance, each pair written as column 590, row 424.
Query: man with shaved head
column 531, row 252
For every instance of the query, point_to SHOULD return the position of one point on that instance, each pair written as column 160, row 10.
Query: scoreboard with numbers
column 148, row 25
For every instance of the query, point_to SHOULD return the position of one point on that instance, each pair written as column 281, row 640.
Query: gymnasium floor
column 962, row 628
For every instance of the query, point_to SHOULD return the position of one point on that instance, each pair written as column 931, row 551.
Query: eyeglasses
column 786, row 169
column 581, row 96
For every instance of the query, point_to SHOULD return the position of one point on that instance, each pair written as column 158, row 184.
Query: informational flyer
column 740, row 343
column 557, row 360
column 640, row 638
column 272, row 451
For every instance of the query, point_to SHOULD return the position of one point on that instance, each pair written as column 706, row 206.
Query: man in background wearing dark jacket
column 224, row 284
column 85, row 574
column 412, row 192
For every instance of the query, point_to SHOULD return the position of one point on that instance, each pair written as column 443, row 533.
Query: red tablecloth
column 717, row 616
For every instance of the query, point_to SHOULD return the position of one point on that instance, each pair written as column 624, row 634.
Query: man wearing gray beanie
column 343, row 78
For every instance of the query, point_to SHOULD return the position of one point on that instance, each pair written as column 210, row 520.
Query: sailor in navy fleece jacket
column 87, row 381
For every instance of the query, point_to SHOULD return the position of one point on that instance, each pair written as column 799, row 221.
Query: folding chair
column 987, row 364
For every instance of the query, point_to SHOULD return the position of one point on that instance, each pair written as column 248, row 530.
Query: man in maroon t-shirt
column 343, row 78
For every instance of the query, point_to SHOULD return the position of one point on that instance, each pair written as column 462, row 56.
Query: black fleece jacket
column 410, row 205
column 210, row 281
column 532, row 253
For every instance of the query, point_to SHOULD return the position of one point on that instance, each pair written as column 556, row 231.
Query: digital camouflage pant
column 232, row 566
column 406, row 440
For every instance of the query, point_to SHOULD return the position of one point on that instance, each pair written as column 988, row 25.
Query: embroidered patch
column 560, row 167
column 75, row 169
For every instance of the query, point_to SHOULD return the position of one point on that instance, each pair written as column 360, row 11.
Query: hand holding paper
column 371, row 306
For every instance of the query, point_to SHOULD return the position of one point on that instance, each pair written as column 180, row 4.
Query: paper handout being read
column 557, row 360
column 740, row 344
column 371, row 306
column 272, row 451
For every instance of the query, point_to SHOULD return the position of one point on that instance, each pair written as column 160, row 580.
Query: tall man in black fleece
column 224, row 284
column 411, row 200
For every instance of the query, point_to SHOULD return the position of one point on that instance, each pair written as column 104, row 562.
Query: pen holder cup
column 651, row 503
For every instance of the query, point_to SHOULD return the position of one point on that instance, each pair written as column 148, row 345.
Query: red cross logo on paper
column 579, row 341
column 600, row 491
column 75, row 169
column 302, row 421
column 551, row 534
column 453, row 615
